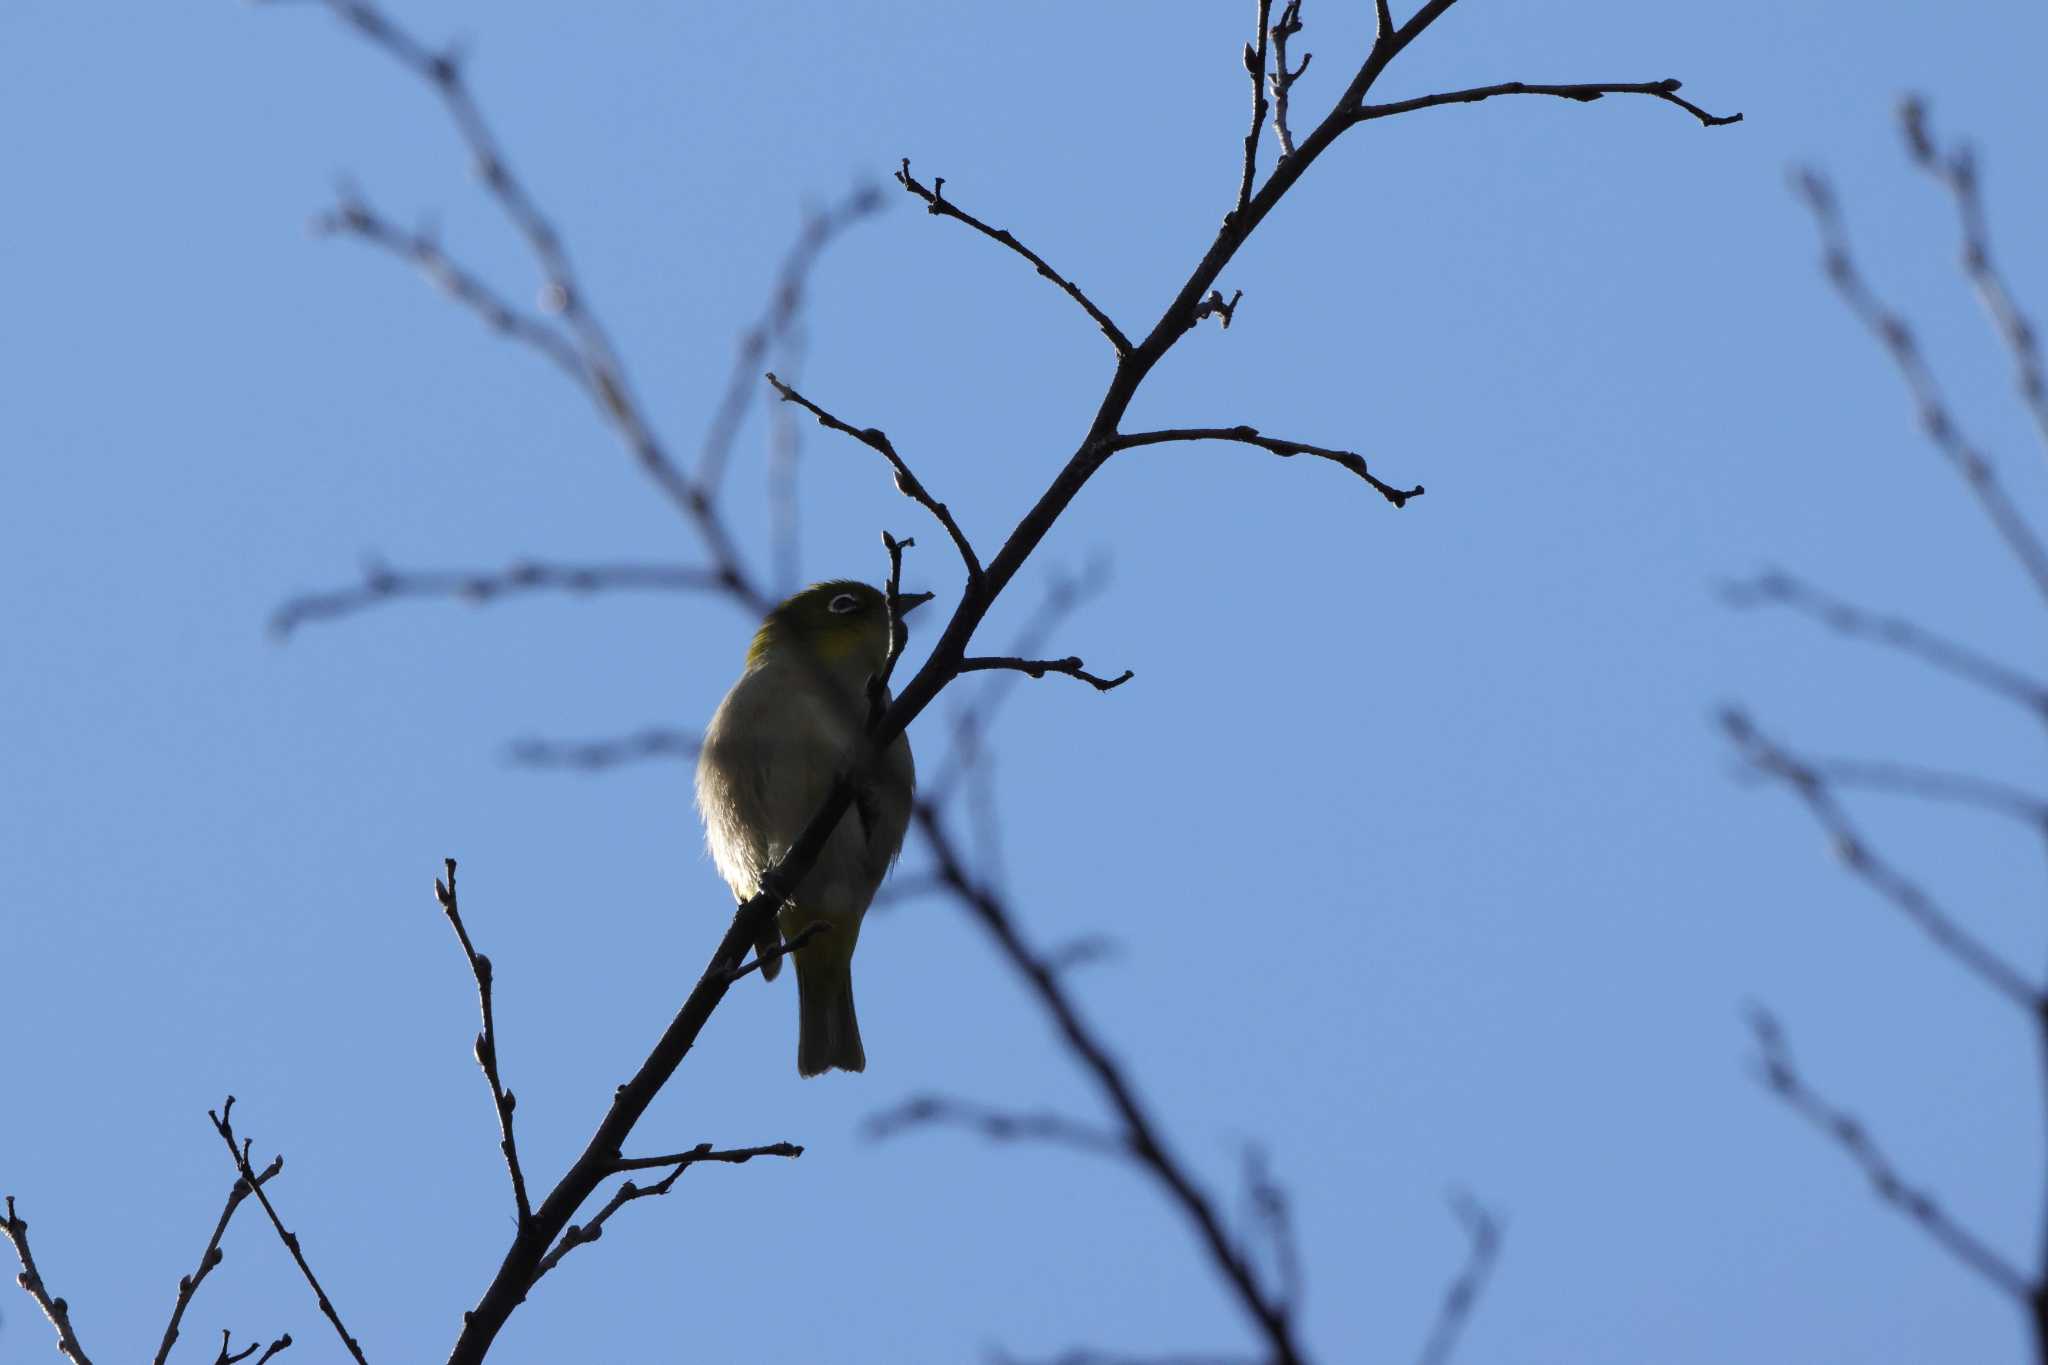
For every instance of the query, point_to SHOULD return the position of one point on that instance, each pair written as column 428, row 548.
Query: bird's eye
column 842, row 604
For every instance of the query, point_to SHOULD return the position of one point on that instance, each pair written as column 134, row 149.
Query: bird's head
column 841, row 626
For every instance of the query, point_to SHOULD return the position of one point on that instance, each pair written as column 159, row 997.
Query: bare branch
column 784, row 307
column 30, row 1279
column 1216, row 306
column 894, row 604
column 382, row 584
column 1957, row 171
column 997, row 1125
column 1849, row 845
column 763, row 956
column 1936, row 421
column 502, row 1099
column 1285, row 449
column 594, row 755
column 1855, row 1141
column 1037, row 668
column 227, row 1358
column 1255, row 64
column 1463, row 1294
column 1666, row 90
column 1282, row 79
column 188, row 1285
column 240, row 1152
column 1959, row 661
column 907, row 483
column 1270, row 1217
column 576, row 1235
column 1933, row 784
column 936, row 203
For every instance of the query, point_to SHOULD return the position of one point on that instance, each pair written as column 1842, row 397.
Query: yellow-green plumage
column 787, row 727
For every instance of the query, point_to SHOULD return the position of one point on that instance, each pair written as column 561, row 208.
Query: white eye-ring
column 842, row 604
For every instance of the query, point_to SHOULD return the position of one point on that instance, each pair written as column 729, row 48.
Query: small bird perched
column 787, row 728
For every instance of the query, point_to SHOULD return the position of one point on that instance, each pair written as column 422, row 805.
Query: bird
column 785, row 731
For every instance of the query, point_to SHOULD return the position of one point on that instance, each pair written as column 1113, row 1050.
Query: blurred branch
column 1895, row 632
column 1483, row 1230
column 1849, row 845
column 596, row 755
column 997, row 1125
column 1933, row 784
column 936, row 203
column 1957, row 171
column 1935, row 419
column 381, row 584
column 907, row 483
column 486, row 1049
column 1666, row 90
column 223, row 1124
column 1850, row 1135
column 30, row 1279
column 188, row 1285
column 1038, row 668
column 1285, row 449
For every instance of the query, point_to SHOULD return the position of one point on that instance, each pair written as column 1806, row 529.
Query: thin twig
column 30, row 1279
column 936, row 203
column 240, row 1152
column 599, row 754
column 703, row 1151
column 907, row 483
column 1779, row 589
column 503, row 1100
column 234, row 1358
column 1855, row 852
column 1245, row 435
column 383, row 584
column 997, row 1125
column 188, row 1285
column 1666, row 90
column 1283, row 79
column 763, row 956
column 576, row 1235
column 1934, row 784
column 1957, row 170
column 1483, row 1231
column 1255, row 65
column 1037, row 668
column 1854, row 1139
column 1936, row 421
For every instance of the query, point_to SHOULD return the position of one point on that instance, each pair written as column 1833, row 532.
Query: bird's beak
column 909, row 602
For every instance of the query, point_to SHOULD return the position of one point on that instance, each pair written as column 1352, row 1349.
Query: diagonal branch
column 502, row 1099
column 1957, row 170
column 1483, row 1230
column 936, row 203
column 188, row 1285
column 1897, row 632
column 1666, row 90
column 1908, row 896
column 1250, row 436
column 15, row 1228
column 1037, row 668
column 1848, row 1133
column 222, row 1123
column 576, row 1235
column 907, row 483
column 382, row 584
column 1939, row 425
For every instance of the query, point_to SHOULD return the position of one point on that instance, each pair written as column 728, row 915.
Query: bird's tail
column 828, row 1034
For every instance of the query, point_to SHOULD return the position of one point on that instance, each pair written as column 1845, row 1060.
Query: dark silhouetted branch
column 935, row 202
column 1778, row 589
column 1256, row 62
column 907, row 483
column 1216, row 306
column 1285, row 449
column 1283, row 79
column 576, row 1235
column 232, row 1357
column 381, row 584
column 1936, row 421
column 486, row 1048
column 1483, row 1231
column 1849, row 845
column 188, row 1285
column 30, row 1279
column 997, row 1125
column 1849, row 1134
column 1038, row 668
column 1957, row 171
column 223, row 1124
column 1666, row 90
column 764, row 956
column 703, row 1151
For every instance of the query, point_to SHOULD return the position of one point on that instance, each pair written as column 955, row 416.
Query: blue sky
column 1429, row 867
